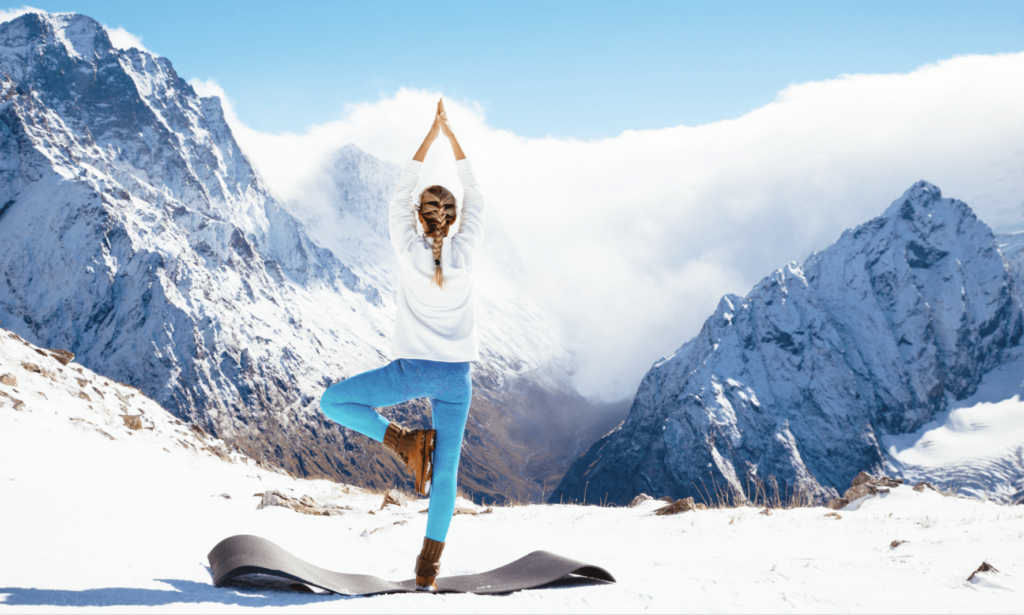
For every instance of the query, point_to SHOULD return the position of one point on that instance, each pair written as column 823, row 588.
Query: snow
column 123, row 524
column 975, row 447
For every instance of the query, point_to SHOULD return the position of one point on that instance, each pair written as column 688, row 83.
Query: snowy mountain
column 135, row 233
column 800, row 381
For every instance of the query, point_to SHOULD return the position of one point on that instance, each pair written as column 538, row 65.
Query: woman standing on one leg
column 435, row 339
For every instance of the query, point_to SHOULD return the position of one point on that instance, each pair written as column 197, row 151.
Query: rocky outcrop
column 799, row 379
column 683, row 505
column 865, row 485
column 305, row 504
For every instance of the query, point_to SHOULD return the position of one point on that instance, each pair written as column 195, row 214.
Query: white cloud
column 9, row 14
column 634, row 239
column 123, row 39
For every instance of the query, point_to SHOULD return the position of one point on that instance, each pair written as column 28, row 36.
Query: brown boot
column 415, row 447
column 428, row 565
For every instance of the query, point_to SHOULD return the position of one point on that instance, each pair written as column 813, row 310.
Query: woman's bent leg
column 351, row 402
column 450, row 423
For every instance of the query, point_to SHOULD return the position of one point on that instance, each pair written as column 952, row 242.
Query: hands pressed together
column 440, row 125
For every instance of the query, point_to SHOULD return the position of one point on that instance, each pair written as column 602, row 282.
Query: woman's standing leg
column 450, row 423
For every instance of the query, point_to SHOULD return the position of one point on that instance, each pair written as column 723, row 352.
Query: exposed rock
column 766, row 512
column 133, row 422
column 63, row 356
column 666, row 498
column 640, row 499
column 305, row 505
column 9, row 380
column 896, row 543
column 683, row 505
column 864, row 485
column 985, row 567
column 218, row 451
column 31, row 367
column 395, row 497
column 834, row 515
column 18, row 404
column 462, row 510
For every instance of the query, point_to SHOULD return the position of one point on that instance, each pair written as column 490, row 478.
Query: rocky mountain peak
column 44, row 36
column 798, row 380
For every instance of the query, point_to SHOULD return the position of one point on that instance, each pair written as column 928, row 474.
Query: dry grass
column 764, row 494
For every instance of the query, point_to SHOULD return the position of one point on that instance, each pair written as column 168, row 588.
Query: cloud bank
column 634, row 239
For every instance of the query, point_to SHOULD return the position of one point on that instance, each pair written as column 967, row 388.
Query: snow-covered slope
column 974, row 448
column 800, row 379
column 101, row 517
column 134, row 232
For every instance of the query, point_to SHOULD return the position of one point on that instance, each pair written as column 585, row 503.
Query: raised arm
column 471, row 228
column 435, row 129
column 447, row 130
column 401, row 211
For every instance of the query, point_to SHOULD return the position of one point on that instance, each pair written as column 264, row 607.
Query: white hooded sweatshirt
column 433, row 323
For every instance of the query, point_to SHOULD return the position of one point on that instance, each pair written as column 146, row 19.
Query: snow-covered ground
column 98, row 516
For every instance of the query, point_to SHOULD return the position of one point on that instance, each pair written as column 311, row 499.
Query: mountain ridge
column 799, row 379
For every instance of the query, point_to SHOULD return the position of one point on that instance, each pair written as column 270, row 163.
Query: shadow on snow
column 183, row 592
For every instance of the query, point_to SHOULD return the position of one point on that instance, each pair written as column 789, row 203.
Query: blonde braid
column 437, row 207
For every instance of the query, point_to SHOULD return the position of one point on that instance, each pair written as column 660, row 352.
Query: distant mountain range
column 135, row 233
column 797, row 383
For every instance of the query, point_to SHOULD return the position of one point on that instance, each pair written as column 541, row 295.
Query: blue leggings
column 351, row 404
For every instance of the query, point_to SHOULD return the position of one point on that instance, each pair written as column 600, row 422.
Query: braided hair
column 437, row 210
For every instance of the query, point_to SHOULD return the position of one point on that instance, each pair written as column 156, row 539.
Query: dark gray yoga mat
column 242, row 555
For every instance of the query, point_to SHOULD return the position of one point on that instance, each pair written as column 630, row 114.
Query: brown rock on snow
column 985, row 567
column 18, row 404
column 9, row 380
column 638, row 500
column 63, row 356
column 305, row 505
column 462, row 510
column 133, row 422
column 919, row 487
column 394, row 496
column 683, row 505
column 32, row 367
column 864, row 484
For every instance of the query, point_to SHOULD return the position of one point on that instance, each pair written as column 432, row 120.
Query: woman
column 435, row 339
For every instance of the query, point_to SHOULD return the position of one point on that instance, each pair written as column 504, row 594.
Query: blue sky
column 568, row 69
